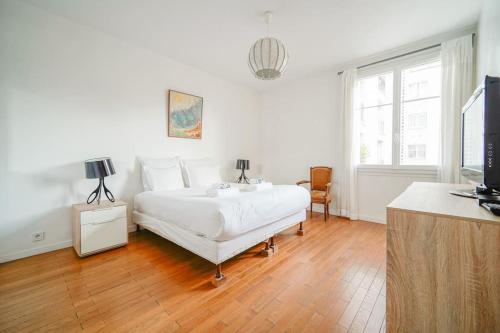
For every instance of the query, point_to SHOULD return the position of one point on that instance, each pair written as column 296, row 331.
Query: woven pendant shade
column 267, row 58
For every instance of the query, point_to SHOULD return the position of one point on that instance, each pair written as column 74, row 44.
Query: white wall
column 299, row 127
column 69, row 93
column 300, row 123
column 376, row 189
column 488, row 54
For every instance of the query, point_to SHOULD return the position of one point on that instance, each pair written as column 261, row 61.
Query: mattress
column 222, row 218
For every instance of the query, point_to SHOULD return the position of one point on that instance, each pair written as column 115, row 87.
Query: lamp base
column 96, row 194
column 243, row 178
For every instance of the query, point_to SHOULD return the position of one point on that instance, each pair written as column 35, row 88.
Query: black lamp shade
column 243, row 164
column 99, row 167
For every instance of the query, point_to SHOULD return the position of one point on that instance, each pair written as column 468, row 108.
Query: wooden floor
column 330, row 280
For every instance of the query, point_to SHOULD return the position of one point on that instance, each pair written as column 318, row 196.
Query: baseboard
column 35, row 251
column 372, row 219
column 319, row 209
column 336, row 212
column 130, row 228
column 46, row 248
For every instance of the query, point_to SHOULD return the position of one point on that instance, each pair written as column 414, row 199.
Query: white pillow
column 161, row 163
column 160, row 179
column 200, row 172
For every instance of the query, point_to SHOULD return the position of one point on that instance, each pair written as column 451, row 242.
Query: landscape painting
column 184, row 115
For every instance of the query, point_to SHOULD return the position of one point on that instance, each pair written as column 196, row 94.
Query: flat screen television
column 481, row 137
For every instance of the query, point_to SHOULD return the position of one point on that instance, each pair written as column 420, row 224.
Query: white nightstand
column 98, row 228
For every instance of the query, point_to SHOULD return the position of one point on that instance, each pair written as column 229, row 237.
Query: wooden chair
column 321, row 182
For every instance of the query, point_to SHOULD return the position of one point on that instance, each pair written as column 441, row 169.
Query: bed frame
column 219, row 251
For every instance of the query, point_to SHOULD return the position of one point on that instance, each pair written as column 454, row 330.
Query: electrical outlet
column 37, row 236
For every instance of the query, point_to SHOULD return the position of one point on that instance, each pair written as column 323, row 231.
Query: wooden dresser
column 443, row 262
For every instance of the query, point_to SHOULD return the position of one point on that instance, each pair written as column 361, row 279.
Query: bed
column 215, row 228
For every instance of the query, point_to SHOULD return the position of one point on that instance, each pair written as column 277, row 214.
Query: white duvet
column 222, row 218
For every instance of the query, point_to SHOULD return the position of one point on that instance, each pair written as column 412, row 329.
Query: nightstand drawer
column 103, row 215
column 100, row 235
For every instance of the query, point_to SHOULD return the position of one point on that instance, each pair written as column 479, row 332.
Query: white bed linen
column 222, row 218
column 200, row 172
column 215, row 251
column 175, row 175
column 223, row 192
column 254, row 187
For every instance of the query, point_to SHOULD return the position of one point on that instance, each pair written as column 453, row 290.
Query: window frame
column 396, row 66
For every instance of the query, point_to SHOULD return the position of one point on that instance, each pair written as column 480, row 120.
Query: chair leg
column 328, row 209
column 324, row 212
column 311, row 211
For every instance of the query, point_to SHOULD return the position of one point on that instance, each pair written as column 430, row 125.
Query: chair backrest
column 320, row 176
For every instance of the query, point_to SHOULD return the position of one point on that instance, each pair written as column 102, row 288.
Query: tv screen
column 481, row 136
column 473, row 136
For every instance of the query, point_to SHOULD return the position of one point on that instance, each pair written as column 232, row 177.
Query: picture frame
column 185, row 115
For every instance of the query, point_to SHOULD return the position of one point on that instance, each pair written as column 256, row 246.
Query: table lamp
column 99, row 168
column 243, row 165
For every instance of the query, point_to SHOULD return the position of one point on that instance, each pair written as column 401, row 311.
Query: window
column 420, row 113
column 399, row 113
column 375, row 123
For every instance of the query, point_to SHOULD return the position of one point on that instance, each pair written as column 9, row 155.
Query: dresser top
column 81, row 207
column 435, row 199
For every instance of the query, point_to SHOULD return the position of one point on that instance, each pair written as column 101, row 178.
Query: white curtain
column 348, row 196
column 456, row 88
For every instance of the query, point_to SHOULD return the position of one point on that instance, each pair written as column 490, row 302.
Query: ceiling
column 215, row 35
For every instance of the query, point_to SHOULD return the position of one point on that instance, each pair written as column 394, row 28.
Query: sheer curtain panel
column 348, row 196
column 456, row 88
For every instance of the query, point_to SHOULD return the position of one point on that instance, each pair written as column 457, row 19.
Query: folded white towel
column 259, row 180
column 226, row 192
column 257, row 187
column 221, row 186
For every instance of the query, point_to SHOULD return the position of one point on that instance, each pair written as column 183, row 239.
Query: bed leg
column 300, row 232
column 273, row 245
column 266, row 251
column 219, row 278
column 139, row 228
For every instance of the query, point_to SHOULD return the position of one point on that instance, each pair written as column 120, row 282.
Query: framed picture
column 184, row 115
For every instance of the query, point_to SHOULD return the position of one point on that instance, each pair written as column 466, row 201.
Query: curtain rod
column 395, row 57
